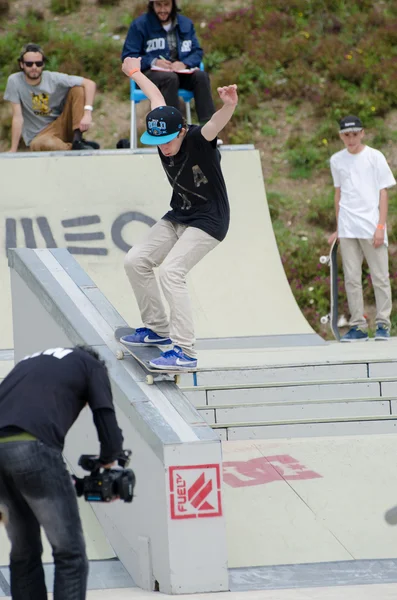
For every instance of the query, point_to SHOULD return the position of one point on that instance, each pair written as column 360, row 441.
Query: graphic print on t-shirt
column 41, row 103
column 198, row 179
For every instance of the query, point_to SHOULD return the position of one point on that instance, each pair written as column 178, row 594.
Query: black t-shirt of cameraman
column 39, row 401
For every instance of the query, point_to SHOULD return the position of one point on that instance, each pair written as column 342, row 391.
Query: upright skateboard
column 332, row 261
column 144, row 354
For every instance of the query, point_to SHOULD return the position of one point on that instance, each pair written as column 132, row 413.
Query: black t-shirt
column 199, row 196
column 44, row 394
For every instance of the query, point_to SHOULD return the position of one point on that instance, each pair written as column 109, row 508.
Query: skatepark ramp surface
column 99, row 204
column 172, row 537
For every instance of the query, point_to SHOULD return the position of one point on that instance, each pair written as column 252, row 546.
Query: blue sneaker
column 174, row 359
column 382, row 332
column 355, row 334
column 144, row 336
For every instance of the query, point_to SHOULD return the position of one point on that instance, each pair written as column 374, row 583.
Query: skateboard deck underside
column 334, row 290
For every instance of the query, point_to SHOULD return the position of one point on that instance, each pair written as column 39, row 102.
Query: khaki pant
column 353, row 251
column 58, row 135
column 175, row 249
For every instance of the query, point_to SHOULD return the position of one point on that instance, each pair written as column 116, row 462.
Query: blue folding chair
column 136, row 96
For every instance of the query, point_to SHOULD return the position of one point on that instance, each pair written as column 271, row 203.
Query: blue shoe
column 355, row 334
column 144, row 336
column 174, row 359
column 382, row 332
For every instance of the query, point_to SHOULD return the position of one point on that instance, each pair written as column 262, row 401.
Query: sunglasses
column 30, row 63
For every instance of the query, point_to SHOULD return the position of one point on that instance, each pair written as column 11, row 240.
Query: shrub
column 303, row 157
column 62, row 7
column 322, row 211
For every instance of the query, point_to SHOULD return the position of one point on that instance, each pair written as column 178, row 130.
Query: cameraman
column 39, row 401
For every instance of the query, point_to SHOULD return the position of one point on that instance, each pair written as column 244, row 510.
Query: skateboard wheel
column 324, row 320
column 324, row 260
column 177, row 379
column 119, row 355
column 149, row 379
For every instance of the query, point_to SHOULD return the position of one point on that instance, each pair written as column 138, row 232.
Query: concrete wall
column 163, row 536
column 99, row 205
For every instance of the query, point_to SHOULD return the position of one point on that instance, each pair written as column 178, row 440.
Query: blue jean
column 37, row 489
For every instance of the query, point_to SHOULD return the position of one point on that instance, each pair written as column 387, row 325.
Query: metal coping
column 111, row 152
column 324, row 574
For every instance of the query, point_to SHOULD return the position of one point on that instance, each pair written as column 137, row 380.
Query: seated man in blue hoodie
column 166, row 40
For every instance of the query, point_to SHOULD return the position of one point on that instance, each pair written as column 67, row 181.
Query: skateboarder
column 197, row 222
column 361, row 178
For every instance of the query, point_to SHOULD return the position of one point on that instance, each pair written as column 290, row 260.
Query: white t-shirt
column 360, row 178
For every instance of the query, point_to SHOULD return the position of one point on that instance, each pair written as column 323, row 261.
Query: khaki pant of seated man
column 59, row 134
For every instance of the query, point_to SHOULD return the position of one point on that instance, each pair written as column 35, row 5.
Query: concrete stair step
column 370, row 425
column 282, row 374
column 292, row 391
column 296, row 411
column 291, row 383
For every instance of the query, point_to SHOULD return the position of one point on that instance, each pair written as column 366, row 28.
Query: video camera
column 104, row 485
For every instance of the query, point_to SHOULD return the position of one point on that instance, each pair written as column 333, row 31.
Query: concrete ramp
column 172, row 537
column 98, row 205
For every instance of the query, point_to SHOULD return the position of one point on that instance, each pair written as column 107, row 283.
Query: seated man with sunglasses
column 49, row 110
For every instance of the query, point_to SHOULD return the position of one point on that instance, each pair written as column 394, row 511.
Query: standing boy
column 361, row 178
column 197, row 222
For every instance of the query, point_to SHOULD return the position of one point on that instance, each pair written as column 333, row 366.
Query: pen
column 162, row 57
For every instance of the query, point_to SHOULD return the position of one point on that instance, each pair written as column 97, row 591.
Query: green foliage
column 303, row 158
column 339, row 55
column 64, row 7
column 321, row 211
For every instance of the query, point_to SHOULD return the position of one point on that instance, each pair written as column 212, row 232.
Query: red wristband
column 380, row 226
column 133, row 71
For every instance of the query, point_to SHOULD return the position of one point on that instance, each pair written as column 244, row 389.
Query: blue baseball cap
column 163, row 124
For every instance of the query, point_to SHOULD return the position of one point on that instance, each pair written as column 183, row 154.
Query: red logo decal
column 265, row 469
column 195, row 492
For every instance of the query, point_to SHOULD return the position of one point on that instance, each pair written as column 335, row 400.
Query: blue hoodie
column 147, row 38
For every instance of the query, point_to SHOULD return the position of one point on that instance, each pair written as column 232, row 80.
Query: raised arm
column 229, row 97
column 132, row 68
column 16, row 126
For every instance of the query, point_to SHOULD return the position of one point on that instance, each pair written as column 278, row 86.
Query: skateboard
column 332, row 261
column 144, row 354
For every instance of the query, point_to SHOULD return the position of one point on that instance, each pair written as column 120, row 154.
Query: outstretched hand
column 228, row 94
column 129, row 64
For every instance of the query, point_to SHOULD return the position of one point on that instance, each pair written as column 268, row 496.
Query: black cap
column 162, row 125
column 350, row 123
